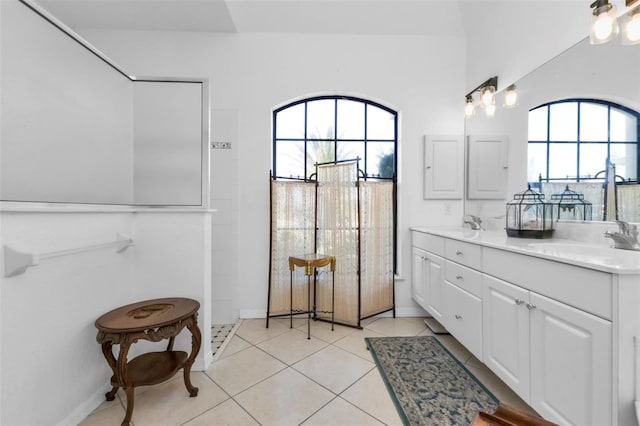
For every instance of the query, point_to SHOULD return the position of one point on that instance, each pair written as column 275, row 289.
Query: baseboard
column 203, row 362
column 252, row 313
column 400, row 312
column 87, row 407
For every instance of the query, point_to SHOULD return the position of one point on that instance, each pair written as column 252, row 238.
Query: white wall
column 253, row 73
column 509, row 38
column 49, row 349
column 53, row 370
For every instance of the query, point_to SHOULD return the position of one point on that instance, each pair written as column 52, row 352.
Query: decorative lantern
column 529, row 215
column 570, row 205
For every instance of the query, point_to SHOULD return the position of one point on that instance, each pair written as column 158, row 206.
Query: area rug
column 428, row 385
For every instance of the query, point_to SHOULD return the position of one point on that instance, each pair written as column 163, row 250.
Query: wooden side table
column 151, row 320
column 310, row 262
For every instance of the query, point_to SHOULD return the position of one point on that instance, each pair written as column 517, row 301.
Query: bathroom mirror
column 75, row 128
column 608, row 72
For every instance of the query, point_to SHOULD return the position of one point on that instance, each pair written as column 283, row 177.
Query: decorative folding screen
column 292, row 232
column 376, row 247
column 337, row 235
column 628, row 197
column 353, row 221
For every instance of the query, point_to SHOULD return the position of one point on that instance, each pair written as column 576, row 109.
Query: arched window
column 334, row 128
column 573, row 138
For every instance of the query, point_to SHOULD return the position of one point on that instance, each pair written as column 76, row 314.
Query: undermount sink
column 577, row 248
column 586, row 252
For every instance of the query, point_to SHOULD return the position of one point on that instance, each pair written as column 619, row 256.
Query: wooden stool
column 310, row 262
column 152, row 320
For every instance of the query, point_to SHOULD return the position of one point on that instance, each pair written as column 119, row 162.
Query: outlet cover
column 220, row 145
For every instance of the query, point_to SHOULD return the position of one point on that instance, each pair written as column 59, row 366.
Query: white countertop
column 598, row 257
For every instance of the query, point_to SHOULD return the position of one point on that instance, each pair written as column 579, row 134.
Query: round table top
column 147, row 314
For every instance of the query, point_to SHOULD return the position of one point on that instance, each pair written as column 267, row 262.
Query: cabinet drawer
column 582, row 288
column 428, row 242
column 466, row 278
column 465, row 253
column 464, row 318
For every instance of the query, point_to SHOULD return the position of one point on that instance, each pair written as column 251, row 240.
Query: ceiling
column 369, row 17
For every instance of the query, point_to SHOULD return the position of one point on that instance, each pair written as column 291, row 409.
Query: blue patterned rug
column 428, row 385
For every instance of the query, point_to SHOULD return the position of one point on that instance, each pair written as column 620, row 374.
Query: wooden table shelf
column 153, row 367
column 152, row 320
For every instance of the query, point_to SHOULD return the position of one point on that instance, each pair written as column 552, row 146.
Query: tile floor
column 275, row 376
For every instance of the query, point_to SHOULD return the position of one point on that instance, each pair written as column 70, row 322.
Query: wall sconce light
column 510, row 97
column 631, row 27
column 487, row 98
column 604, row 22
column 469, row 107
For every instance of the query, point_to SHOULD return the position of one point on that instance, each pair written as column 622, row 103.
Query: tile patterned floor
column 276, row 376
column 219, row 334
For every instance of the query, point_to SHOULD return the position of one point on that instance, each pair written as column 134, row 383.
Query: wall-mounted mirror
column 607, row 78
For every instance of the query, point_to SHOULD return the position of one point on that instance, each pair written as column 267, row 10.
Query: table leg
column 333, row 297
column 290, row 299
column 196, row 340
column 309, row 307
column 127, row 418
column 111, row 360
column 123, row 379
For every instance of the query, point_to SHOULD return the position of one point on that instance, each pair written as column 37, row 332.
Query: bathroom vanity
column 556, row 320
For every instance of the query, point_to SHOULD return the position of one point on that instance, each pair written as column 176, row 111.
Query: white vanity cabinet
column 505, row 331
column 556, row 357
column 561, row 330
column 428, row 273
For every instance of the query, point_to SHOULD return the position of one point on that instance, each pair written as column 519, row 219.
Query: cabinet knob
column 531, row 306
column 458, row 316
column 458, row 252
column 519, row 301
column 458, row 277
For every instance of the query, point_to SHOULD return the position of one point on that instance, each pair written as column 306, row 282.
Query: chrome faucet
column 473, row 221
column 626, row 238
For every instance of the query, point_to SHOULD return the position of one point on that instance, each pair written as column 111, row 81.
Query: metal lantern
column 571, row 205
column 529, row 215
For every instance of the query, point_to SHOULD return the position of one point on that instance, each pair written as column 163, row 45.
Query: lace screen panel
column 292, row 233
column 376, row 247
column 628, row 202
column 592, row 191
column 337, row 235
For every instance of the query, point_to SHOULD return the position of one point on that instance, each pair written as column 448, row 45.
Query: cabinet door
column 570, row 364
column 434, row 281
column 417, row 275
column 488, row 166
column 443, row 163
column 505, row 330
column 463, row 317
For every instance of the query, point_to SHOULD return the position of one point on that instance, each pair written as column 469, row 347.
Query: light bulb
column 604, row 26
column 490, row 110
column 488, row 96
column 469, row 108
column 510, row 97
column 631, row 33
